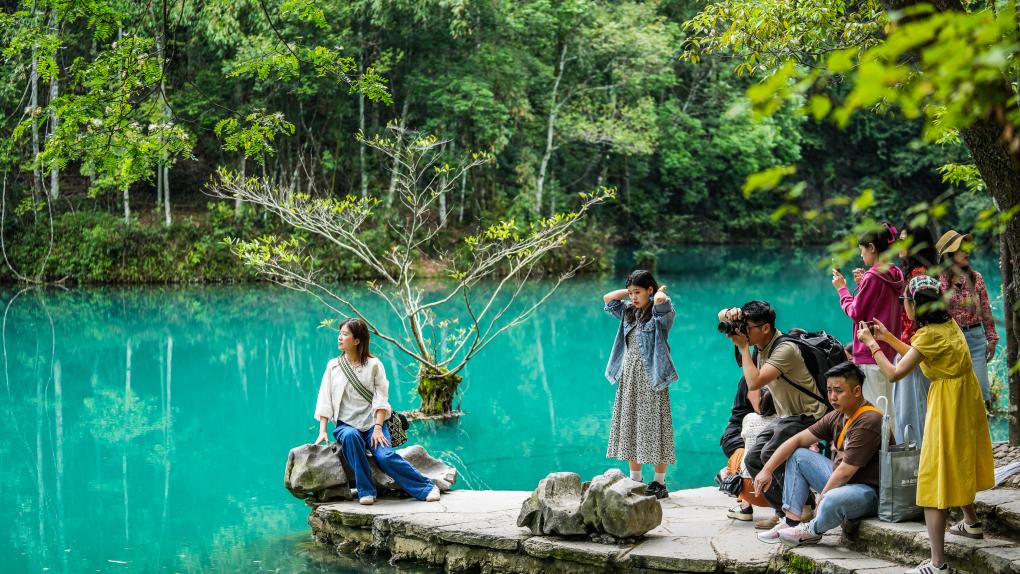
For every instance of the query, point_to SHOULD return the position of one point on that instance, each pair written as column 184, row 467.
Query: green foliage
column 255, row 139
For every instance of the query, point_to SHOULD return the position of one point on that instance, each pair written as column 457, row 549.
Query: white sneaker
column 367, row 500
column 433, row 494
column 772, row 536
column 927, row 567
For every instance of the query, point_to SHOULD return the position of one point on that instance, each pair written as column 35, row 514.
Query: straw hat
column 950, row 242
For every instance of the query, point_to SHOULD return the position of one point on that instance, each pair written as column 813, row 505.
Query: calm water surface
column 147, row 429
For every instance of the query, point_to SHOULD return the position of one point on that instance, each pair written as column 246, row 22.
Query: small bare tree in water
column 505, row 254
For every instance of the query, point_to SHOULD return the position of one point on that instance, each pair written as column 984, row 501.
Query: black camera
column 729, row 328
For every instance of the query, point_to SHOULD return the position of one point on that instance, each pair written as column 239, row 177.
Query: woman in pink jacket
column 877, row 297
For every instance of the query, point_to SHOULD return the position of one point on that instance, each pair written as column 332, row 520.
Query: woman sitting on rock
column 360, row 423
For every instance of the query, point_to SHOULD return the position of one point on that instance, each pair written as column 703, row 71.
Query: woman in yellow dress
column 956, row 453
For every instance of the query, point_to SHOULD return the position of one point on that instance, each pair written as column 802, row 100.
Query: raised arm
column 662, row 309
column 617, row 295
column 908, row 361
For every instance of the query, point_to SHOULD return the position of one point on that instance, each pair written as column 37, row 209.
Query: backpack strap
column 813, row 395
column 860, row 411
column 353, row 379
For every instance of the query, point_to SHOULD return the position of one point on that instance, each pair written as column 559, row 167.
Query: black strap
column 353, row 379
column 814, row 396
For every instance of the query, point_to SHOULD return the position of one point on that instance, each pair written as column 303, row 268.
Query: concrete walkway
column 476, row 530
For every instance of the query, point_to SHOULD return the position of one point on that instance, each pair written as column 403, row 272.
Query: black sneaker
column 657, row 489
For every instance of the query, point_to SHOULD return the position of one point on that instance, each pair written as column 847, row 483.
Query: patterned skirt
column 642, row 425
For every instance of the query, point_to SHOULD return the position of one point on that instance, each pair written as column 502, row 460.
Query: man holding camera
column 781, row 367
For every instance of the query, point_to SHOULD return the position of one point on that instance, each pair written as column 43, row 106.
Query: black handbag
column 397, row 423
column 731, row 485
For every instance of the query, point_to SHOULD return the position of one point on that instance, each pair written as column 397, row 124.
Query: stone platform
column 476, row 531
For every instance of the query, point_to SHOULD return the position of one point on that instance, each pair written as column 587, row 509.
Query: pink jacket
column 877, row 298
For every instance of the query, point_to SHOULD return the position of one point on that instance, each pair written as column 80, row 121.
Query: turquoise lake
column 146, row 429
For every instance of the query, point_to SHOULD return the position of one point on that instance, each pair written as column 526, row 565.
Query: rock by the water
column 554, row 507
column 616, row 505
column 611, row 504
column 442, row 474
column 316, row 471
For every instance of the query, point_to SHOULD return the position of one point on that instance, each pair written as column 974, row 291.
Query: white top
column 339, row 401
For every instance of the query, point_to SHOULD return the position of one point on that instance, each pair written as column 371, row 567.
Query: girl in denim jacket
column 641, row 431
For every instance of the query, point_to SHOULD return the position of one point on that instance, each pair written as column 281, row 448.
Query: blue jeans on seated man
column 807, row 469
column 353, row 444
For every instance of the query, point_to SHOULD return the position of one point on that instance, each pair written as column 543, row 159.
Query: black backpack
column 821, row 352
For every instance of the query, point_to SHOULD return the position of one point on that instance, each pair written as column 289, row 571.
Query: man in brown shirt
column 847, row 485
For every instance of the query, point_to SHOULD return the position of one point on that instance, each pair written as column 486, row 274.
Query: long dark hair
column 359, row 330
column 643, row 279
column 922, row 250
column 929, row 308
column 881, row 239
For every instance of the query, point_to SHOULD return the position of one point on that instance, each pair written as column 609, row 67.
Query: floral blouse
column 969, row 304
column 909, row 328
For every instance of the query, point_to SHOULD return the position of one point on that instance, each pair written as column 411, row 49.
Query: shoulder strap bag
column 397, row 422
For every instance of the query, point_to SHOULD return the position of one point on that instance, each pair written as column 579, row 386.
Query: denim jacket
column 653, row 343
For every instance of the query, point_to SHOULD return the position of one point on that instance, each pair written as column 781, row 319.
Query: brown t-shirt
column 860, row 445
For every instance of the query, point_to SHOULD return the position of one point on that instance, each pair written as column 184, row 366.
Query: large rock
column 554, row 507
column 616, row 505
column 317, row 471
column 611, row 504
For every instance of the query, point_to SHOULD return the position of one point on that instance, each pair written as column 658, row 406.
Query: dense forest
column 116, row 114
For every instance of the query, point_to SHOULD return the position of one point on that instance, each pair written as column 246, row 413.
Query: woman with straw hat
column 969, row 304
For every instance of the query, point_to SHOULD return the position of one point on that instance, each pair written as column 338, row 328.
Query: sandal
column 974, row 531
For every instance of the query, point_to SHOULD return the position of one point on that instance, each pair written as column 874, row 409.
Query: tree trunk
column 54, row 123
column 463, row 185
column 442, row 190
column 550, row 131
column 395, row 169
column 33, row 104
column 361, row 122
column 127, row 205
column 1001, row 173
column 437, row 391
column 237, row 199
column 166, row 196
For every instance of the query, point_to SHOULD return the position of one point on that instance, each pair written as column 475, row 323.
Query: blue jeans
column 808, row 469
column 978, row 346
column 354, row 442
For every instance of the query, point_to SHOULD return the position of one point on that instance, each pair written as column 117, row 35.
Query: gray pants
column 768, row 442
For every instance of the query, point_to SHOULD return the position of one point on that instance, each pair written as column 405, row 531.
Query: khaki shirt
column 789, row 401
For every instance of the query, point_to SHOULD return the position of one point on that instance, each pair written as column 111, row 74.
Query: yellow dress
column 956, row 454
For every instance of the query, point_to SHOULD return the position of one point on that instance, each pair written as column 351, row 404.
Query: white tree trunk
column 550, row 132
column 127, row 205
column 442, row 194
column 54, row 123
column 361, row 124
column 237, row 199
column 395, row 169
column 33, row 104
column 463, row 185
column 166, row 196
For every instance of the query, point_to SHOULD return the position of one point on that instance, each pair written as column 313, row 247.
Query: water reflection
column 147, row 429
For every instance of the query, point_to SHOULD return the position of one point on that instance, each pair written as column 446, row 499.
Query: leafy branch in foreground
column 488, row 271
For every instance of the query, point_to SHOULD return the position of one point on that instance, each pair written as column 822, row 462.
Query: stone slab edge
column 489, row 541
column 907, row 543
